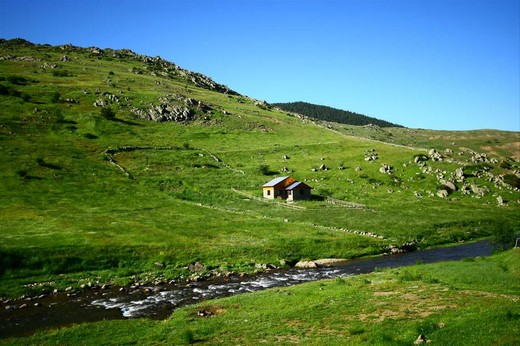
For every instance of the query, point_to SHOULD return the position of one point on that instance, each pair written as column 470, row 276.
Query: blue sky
column 437, row 64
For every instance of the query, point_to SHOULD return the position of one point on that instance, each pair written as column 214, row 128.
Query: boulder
column 449, row 184
column 442, row 193
column 386, row 169
column 306, row 265
column 459, row 175
column 478, row 190
column 420, row 340
column 501, row 201
column 196, row 267
column 327, row 262
column 435, row 155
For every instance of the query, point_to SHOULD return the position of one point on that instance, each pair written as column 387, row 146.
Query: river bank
column 22, row 317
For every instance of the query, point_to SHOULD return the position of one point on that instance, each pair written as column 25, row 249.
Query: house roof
column 297, row 184
column 274, row 181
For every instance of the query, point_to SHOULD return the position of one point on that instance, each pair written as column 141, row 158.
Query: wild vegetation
column 119, row 167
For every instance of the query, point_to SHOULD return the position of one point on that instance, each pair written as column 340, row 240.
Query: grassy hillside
column 92, row 189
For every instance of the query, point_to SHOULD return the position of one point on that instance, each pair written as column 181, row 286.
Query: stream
column 25, row 317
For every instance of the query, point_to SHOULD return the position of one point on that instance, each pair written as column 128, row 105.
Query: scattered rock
column 196, row 267
column 421, row 339
column 501, row 202
column 204, row 313
column 459, row 175
column 442, row 193
column 327, row 262
column 386, row 169
column 449, row 184
column 371, row 155
column 421, row 158
column 306, row 265
column 478, row 190
column 175, row 108
column 435, row 155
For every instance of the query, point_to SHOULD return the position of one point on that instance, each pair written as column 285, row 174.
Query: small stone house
column 286, row 188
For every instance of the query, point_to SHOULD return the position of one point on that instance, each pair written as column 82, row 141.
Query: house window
column 268, row 192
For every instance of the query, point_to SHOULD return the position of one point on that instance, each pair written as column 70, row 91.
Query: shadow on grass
column 126, row 122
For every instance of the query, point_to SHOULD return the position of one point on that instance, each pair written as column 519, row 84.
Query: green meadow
column 92, row 195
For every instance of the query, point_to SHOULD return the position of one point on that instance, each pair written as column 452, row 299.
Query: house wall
column 269, row 192
column 299, row 194
column 272, row 193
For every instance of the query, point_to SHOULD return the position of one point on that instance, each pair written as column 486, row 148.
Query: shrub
column 512, row 180
column 266, row 170
column 4, row 90
column 503, row 236
column 18, row 80
column 55, row 97
column 108, row 113
column 22, row 173
column 60, row 73
column 505, row 165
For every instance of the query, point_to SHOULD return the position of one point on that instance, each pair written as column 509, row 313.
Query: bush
column 22, row 173
column 18, row 80
column 108, row 113
column 265, row 170
column 55, row 97
column 504, row 236
column 4, row 90
column 60, row 73
column 512, row 180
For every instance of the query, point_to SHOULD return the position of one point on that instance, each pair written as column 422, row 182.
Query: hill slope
column 118, row 167
column 332, row 114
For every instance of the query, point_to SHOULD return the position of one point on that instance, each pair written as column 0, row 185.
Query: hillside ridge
column 156, row 64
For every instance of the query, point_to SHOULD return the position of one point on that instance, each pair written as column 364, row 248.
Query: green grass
column 67, row 210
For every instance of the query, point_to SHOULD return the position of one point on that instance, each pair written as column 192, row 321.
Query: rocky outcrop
column 459, row 175
column 173, row 108
column 371, row 155
column 479, row 190
column 435, row 155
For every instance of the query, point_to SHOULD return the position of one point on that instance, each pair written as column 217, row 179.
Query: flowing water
column 24, row 317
